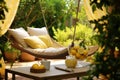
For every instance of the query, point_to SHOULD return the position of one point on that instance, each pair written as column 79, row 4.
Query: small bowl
column 37, row 70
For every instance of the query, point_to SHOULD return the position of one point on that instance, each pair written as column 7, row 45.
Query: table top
column 52, row 74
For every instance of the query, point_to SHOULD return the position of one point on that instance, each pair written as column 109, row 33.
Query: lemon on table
column 41, row 67
column 70, row 61
column 35, row 66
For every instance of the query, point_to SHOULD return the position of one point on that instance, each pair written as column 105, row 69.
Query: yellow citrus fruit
column 78, row 56
column 81, row 50
column 41, row 67
column 73, row 52
column 85, row 52
column 76, row 47
column 83, row 57
column 35, row 66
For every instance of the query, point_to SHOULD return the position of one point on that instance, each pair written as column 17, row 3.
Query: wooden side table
column 52, row 74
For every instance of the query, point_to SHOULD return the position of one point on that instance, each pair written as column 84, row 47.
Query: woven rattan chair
column 58, row 55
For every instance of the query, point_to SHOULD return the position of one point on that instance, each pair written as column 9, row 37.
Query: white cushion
column 19, row 34
column 37, row 31
column 48, row 51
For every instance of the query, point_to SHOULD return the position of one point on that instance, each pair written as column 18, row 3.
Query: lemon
column 81, row 50
column 85, row 52
column 73, row 52
column 41, row 67
column 83, row 57
column 35, row 66
column 78, row 56
column 76, row 47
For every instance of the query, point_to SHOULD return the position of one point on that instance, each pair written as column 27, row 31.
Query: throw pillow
column 19, row 34
column 46, row 39
column 35, row 42
column 37, row 31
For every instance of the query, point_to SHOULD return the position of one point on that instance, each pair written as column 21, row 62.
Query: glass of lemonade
column 70, row 61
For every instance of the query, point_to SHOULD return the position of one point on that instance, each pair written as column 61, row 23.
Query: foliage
column 3, row 40
column 0, row 54
column 83, row 32
column 3, row 9
column 107, row 59
column 58, row 14
column 5, row 45
column 30, row 13
column 9, row 48
column 55, row 12
column 82, row 17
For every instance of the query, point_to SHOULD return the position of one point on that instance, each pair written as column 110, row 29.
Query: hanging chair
column 53, row 51
column 56, row 51
column 48, row 53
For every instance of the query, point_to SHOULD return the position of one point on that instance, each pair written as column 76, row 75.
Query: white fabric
column 37, row 31
column 49, row 50
column 9, row 16
column 93, row 15
column 19, row 34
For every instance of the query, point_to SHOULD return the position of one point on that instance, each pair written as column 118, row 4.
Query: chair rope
column 76, row 20
column 43, row 17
